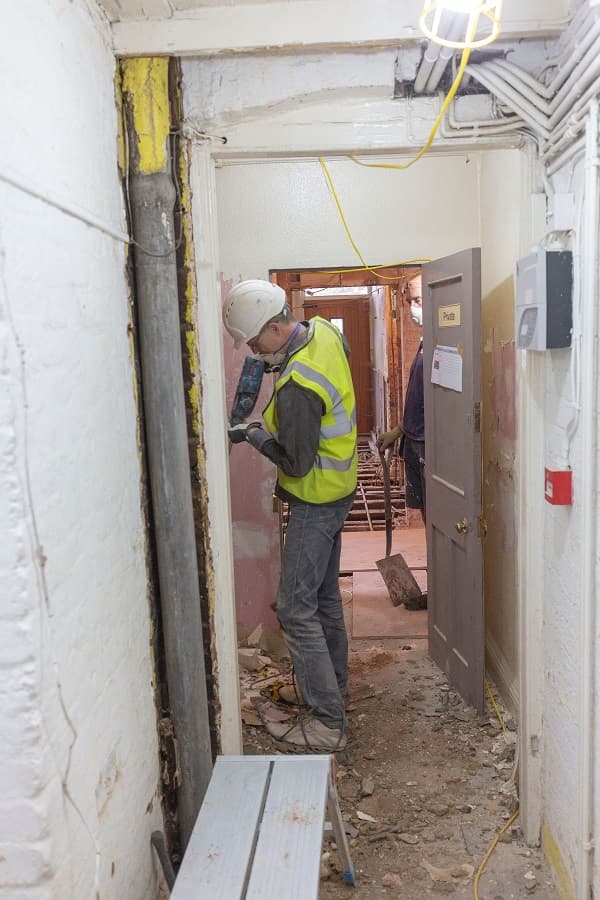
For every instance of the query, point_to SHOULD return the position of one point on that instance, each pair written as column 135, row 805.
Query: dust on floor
column 426, row 784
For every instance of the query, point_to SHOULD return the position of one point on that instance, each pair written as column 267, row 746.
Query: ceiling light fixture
column 481, row 18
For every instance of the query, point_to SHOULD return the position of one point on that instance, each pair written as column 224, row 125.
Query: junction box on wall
column 544, row 304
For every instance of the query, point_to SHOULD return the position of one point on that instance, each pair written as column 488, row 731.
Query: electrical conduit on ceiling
column 444, row 57
column 543, row 107
column 529, row 98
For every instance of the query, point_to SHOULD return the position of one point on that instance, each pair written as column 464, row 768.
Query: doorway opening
column 371, row 308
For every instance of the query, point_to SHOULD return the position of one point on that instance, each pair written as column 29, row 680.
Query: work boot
column 290, row 693
column 308, row 732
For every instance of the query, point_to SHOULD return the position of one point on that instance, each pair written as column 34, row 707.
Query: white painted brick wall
column 76, row 693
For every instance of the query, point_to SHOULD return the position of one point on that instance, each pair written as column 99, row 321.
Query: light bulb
column 482, row 21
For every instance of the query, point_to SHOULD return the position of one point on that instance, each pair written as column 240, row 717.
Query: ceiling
column 216, row 27
column 119, row 10
column 546, row 13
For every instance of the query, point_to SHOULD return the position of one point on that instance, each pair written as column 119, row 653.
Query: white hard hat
column 248, row 308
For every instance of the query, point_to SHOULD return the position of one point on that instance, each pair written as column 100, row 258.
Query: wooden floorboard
column 374, row 615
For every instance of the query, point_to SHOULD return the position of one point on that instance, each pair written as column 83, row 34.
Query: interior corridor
column 425, row 784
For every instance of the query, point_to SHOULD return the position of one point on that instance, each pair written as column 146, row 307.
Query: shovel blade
column 398, row 578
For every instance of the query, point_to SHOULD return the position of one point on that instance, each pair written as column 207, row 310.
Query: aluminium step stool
column 259, row 832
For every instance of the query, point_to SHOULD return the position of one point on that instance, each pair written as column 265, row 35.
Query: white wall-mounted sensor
column 544, row 300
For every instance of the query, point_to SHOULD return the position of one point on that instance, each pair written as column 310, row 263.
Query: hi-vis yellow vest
column 321, row 366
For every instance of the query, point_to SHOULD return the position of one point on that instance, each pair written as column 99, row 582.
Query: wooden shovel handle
column 387, row 502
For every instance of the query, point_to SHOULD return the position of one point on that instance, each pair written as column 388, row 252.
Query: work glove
column 239, row 433
column 386, row 439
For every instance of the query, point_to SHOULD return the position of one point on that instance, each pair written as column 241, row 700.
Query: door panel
column 452, row 318
column 354, row 314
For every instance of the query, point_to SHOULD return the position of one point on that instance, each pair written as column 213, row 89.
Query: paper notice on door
column 446, row 368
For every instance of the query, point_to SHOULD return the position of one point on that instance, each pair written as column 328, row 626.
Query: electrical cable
column 494, row 843
column 495, row 706
column 135, row 243
column 365, row 266
column 417, row 261
column 449, row 97
column 491, row 849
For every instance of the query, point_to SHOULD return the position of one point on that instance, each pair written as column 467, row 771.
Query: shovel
column 398, row 578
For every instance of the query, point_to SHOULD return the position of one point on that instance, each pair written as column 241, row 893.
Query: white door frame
column 221, row 585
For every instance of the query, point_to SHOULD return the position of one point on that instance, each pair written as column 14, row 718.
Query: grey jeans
column 310, row 610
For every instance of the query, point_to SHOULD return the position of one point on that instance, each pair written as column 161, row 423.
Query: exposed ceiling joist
column 294, row 280
column 307, row 25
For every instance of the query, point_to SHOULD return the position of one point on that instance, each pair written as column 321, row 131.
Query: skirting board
column 506, row 680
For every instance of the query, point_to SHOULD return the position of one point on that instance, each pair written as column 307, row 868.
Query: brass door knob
column 462, row 527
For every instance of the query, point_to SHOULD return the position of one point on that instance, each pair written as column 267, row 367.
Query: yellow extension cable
column 448, row 100
column 494, row 843
column 449, row 97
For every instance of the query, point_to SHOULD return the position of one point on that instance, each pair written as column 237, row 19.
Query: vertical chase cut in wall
column 166, row 743
column 153, row 194
column 188, row 314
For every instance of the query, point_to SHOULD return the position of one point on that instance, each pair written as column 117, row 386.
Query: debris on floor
column 425, row 783
column 262, row 676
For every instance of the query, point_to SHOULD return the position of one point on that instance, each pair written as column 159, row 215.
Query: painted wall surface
column 78, row 749
column 280, row 214
column 501, row 187
column 562, row 588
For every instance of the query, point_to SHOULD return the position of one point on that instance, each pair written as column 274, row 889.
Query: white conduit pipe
column 476, row 131
column 575, row 41
column 589, row 500
column 501, row 125
column 438, row 69
column 576, row 49
column 455, row 32
column 578, row 109
column 559, row 144
column 545, row 92
column 581, row 58
column 572, row 36
column 564, row 135
column 520, row 104
column 525, row 100
column 524, row 90
column 587, row 80
column 578, row 76
column 481, row 138
column 432, row 51
column 573, row 152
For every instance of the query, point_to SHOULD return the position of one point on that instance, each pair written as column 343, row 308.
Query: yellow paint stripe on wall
column 146, row 90
column 554, row 857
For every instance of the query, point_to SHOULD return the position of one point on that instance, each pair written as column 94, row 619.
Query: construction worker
column 412, row 434
column 309, row 432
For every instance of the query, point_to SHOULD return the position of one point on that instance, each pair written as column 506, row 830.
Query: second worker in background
column 412, row 434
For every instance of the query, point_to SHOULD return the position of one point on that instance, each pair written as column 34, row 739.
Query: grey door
column 452, row 378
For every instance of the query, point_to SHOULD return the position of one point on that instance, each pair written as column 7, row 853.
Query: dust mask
column 416, row 314
column 273, row 360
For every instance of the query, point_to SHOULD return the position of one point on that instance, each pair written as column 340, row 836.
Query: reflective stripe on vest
column 321, row 366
